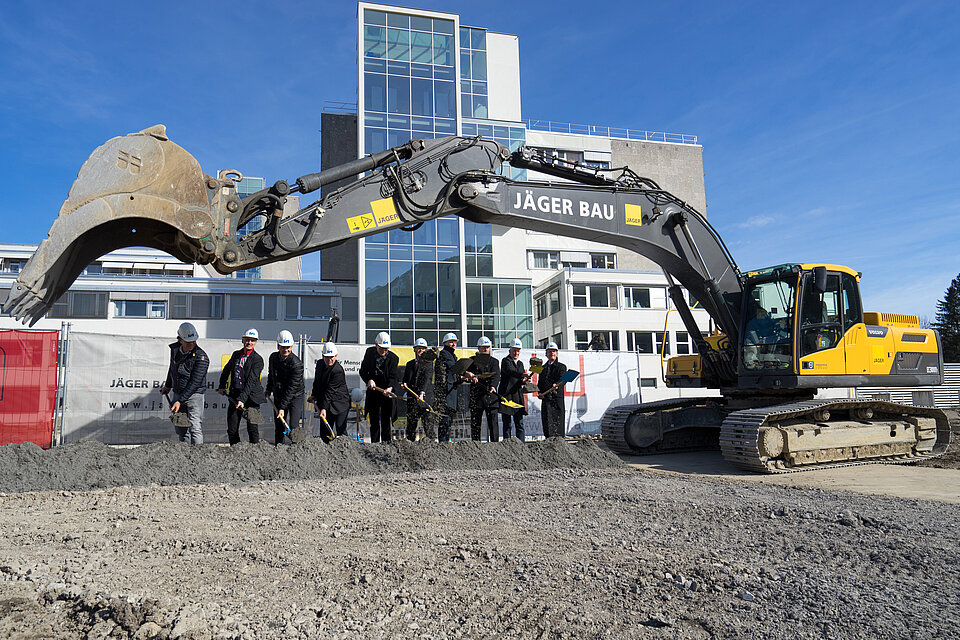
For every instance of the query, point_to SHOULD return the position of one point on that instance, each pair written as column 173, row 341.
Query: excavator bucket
column 138, row 190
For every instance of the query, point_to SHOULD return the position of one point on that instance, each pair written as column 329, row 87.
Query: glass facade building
column 420, row 75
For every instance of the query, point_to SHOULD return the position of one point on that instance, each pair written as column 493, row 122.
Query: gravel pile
column 92, row 465
column 450, row 553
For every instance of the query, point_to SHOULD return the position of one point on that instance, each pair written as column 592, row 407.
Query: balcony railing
column 610, row 132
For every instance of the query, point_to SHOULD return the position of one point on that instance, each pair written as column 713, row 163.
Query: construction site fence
column 66, row 386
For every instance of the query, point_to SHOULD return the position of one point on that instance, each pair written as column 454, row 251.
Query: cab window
column 852, row 311
column 820, row 315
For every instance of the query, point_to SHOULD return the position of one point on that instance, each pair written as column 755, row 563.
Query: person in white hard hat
column 446, row 385
column 330, row 393
column 483, row 376
column 380, row 370
column 285, row 382
column 416, row 373
column 242, row 376
column 551, row 386
column 513, row 376
column 187, row 378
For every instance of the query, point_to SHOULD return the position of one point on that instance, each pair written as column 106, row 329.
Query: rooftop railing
column 610, row 132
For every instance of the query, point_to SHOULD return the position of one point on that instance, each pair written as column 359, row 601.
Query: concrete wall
column 503, row 73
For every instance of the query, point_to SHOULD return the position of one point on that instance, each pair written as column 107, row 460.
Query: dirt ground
column 546, row 540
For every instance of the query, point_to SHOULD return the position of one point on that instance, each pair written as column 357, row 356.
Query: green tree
column 948, row 322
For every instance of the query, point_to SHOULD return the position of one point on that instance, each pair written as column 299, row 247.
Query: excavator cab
column 770, row 302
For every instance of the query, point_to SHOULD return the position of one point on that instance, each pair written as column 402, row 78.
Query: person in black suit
column 380, row 371
column 513, row 375
column 483, row 376
column 330, row 393
column 416, row 373
column 285, row 382
column 246, row 393
column 551, row 386
column 446, row 385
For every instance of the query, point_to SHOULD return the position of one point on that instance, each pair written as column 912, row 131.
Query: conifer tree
column 948, row 322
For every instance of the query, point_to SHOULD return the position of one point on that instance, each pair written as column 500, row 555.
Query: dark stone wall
column 338, row 144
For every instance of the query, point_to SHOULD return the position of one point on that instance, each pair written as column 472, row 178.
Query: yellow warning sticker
column 385, row 212
column 361, row 223
column 634, row 214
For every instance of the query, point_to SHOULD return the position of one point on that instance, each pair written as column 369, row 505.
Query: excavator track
column 615, row 421
column 745, row 435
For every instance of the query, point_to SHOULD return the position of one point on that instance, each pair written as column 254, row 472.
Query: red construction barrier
column 28, row 386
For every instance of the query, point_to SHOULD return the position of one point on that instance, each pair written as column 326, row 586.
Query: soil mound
column 92, row 465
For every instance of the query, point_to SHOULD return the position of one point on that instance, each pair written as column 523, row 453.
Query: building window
column 499, row 311
column 252, row 307
column 473, row 72
column 80, row 304
column 409, row 81
column 603, row 261
column 596, row 296
column 543, row 259
column 596, row 340
column 684, row 343
column 648, row 382
column 200, row 306
column 13, row 265
column 412, row 282
column 556, row 338
column 478, row 249
column 511, row 135
column 307, row 307
column 139, row 308
column 650, row 342
column 548, row 304
column 636, row 297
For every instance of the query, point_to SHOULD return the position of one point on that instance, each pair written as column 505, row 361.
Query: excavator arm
column 144, row 190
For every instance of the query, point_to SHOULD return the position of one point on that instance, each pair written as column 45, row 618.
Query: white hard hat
column 552, row 345
column 450, row 336
column 187, row 332
column 251, row 333
column 516, row 344
column 329, row 349
column 420, row 343
column 383, row 339
column 284, row 339
column 484, row 341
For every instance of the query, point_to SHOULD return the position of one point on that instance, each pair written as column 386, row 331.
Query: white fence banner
column 113, row 390
column 113, row 382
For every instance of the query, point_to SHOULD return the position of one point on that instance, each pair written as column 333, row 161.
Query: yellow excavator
column 784, row 332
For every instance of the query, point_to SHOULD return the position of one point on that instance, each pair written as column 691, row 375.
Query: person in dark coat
column 446, row 384
column 285, row 382
column 484, row 378
column 380, row 370
column 513, row 375
column 187, row 378
column 330, row 393
column 551, row 387
column 243, row 372
column 416, row 373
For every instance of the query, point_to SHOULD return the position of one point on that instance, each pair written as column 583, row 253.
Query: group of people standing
column 240, row 382
column 495, row 388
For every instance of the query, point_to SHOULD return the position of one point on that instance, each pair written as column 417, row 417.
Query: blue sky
column 830, row 130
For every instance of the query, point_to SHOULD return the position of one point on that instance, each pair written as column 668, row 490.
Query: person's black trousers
column 292, row 414
column 233, row 425
column 517, row 419
column 380, row 410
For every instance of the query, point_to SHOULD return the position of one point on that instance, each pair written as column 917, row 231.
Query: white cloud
column 757, row 221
